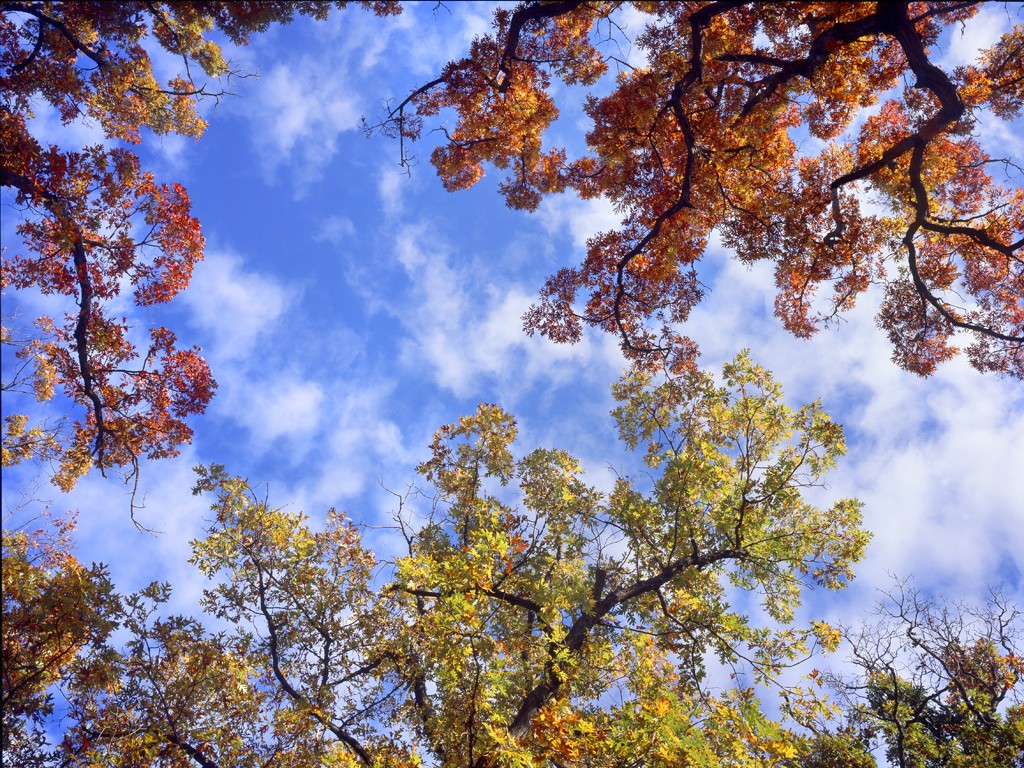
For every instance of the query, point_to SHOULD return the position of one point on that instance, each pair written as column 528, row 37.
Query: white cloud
column 306, row 406
column 581, row 219
column 336, row 230
column 303, row 104
column 361, row 441
column 107, row 534
column 321, row 445
column 938, row 477
column 46, row 126
column 463, row 327
column 173, row 151
column 998, row 136
column 391, row 184
column 233, row 305
column 428, row 35
column 978, row 33
column 297, row 111
column 274, row 407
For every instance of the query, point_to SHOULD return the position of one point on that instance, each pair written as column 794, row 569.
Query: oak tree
column 54, row 608
column 829, row 139
column 937, row 685
column 529, row 618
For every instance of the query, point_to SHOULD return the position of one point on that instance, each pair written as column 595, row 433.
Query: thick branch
column 580, row 630
column 32, row 54
column 34, row 10
column 421, row 698
column 892, row 19
column 519, row 19
column 81, row 336
column 191, row 751
column 505, row 597
column 698, row 21
column 979, row 236
column 820, row 50
column 921, row 215
column 57, row 205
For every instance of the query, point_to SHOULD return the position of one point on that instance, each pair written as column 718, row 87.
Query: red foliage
column 703, row 138
column 97, row 225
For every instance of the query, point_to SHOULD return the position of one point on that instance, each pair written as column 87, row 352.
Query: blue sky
column 348, row 309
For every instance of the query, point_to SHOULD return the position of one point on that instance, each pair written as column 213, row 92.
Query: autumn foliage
column 825, row 138
column 519, row 616
column 95, row 225
column 54, row 609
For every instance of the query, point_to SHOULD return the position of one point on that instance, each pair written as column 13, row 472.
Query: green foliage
column 530, row 620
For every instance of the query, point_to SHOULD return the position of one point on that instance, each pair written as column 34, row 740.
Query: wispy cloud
column 391, row 184
column 297, row 111
column 107, row 534
column 581, row 219
column 362, row 444
column 232, row 305
column 336, row 230
column 46, row 126
column 978, row 33
column 304, row 103
column 464, row 327
column 275, row 406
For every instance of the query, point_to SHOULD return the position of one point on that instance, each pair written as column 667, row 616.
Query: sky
column 349, row 307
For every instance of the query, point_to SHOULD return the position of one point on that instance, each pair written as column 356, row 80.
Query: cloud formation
column 232, row 305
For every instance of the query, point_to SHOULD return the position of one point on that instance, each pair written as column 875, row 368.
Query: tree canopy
column 826, row 138
column 528, row 618
column 54, row 609
column 531, row 620
column 936, row 685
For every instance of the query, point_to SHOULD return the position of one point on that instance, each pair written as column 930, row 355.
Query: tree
column 53, row 609
column 175, row 695
column 95, row 222
column 937, row 685
column 532, row 620
column 743, row 121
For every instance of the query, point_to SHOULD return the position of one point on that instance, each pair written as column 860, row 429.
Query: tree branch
column 34, row 10
column 526, row 14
